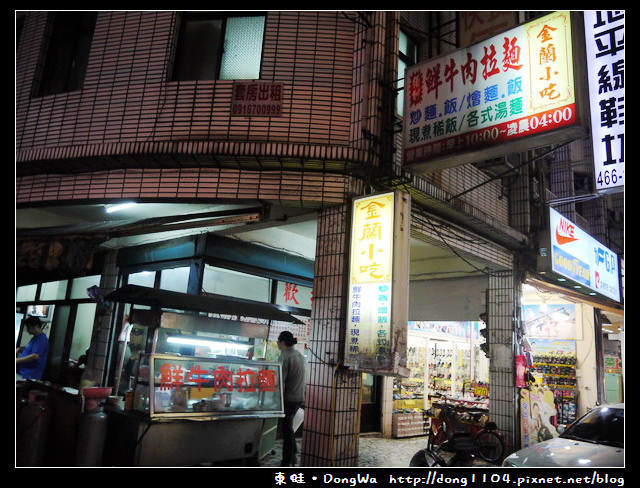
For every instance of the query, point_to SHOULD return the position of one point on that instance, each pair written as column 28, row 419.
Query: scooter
column 467, row 451
column 467, row 446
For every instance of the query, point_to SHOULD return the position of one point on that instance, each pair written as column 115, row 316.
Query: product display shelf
column 408, row 416
column 558, row 373
column 441, row 368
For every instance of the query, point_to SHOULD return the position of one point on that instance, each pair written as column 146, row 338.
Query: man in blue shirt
column 32, row 359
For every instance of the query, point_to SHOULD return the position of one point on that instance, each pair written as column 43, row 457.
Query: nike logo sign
column 564, row 239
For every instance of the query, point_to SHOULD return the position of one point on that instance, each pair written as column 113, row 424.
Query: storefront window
column 19, row 318
column 45, row 312
column 82, row 329
column 293, row 295
column 143, row 278
column 26, row 293
column 234, row 284
column 205, row 387
column 175, row 279
column 54, row 290
column 79, row 286
column 446, row 359
column 550, row 354
column 80, row 342
column 56, row 359
column 68, row 324
column 131, row 343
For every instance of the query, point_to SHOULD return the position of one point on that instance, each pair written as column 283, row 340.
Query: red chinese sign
column 517, row 84
column 242, row 380
column 290, row 292
column 256, row 98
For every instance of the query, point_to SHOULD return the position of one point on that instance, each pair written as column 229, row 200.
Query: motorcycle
column 459, row 431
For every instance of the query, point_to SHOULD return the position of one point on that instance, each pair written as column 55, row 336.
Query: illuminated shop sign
column 500, row 90
column 604, row 33
column 198, row 387
column 580, row 258
column 378, row 269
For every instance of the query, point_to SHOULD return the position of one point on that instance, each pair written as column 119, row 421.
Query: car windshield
column 604, row 425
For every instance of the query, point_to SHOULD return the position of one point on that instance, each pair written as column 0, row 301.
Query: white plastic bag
column 297, row 419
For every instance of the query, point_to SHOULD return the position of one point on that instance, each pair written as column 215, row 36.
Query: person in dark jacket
column 294, row 383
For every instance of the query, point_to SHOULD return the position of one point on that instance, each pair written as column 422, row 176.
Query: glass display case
column 184, row 334
column 192, row 372
column 170, row 386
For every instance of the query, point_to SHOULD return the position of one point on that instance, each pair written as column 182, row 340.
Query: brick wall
column 127, row 105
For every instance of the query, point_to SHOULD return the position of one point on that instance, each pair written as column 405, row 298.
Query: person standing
column 294, row 383
column 32, row 359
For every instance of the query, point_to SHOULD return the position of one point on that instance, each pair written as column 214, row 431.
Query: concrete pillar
column 98, row 358
column 330, row 431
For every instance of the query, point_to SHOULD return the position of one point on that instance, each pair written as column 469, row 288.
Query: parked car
column 595, row 440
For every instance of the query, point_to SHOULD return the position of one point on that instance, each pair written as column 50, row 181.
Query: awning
column 219, row 304
column 596, row 302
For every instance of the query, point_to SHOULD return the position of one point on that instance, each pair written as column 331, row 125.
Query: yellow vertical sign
column 550, row 63
column 368, row 340
column 372, row 239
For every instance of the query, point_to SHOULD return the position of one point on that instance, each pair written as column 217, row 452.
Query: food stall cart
column 197, row 391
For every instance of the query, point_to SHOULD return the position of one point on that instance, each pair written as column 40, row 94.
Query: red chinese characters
column 173, row 376
column 197, row 375
column 267, row 380
column 450, row 73
column 223, row 378
column 513, row 85
column 290, row 292
column 511, row 58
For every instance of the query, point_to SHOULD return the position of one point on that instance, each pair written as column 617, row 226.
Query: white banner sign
column 604, row 32
column 582, row 259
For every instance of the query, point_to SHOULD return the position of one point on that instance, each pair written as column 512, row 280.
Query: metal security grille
column 501, row 305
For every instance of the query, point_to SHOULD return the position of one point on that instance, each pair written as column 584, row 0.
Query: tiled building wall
column 490, row 197
column 287, row 187
column 127, row 99
column 338, row 71
column 616, row 224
